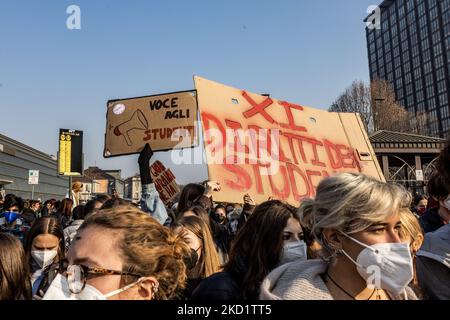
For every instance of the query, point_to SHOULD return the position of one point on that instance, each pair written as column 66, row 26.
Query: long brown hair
column 209, row 260
column 187, row 197
column 66, row 207
column 258, row 246
column 45, row 225
column 14, row 272
column 147, row 248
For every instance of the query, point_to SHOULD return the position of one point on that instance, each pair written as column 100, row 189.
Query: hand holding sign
column 249, row 200
column 210, row 187
column 144, row 164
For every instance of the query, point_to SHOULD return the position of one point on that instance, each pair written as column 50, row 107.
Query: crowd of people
column 357, row 239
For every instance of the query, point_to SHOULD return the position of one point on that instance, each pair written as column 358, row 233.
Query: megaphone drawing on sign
column 137, row 122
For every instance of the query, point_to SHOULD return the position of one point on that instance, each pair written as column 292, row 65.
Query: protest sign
column 271, row 148
column 165, row 181
column 166, row 122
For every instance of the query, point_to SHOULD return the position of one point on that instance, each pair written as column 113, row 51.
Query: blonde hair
column 410, row 226
column 209, row 260
column 350, row 203
column 146, row 247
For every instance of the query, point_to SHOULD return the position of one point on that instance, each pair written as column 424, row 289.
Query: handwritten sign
column 165, row 181
column 271, row 148
column 166, row 122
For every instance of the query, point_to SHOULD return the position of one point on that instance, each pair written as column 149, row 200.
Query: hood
column 436, row 245
column 298, row 280
column 301, row 280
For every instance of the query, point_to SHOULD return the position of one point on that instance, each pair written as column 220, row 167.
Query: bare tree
column 356, row 98
column 379, row 109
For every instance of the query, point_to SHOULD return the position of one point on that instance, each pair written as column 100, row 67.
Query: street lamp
column 375, row 114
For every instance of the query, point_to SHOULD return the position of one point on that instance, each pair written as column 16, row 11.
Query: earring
column 155, row 288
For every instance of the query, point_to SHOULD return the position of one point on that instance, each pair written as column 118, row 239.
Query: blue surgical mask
column 294, row 251
column 10, row 217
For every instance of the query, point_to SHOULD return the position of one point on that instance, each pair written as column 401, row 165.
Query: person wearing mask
column 14, row 274
column 420, row 205
column 150, row 200
column 11, row 220
column 44, row 248
column 197, row 235
column 436, row 217
column 271, row 237
column 356, row 219
column 220, row 234
column 122, row 254
column 411, row 232
column 78, row 219
column 220, row 214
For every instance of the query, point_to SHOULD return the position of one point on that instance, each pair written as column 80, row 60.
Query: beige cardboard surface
column 164, row 121
column 165, row 181
column 313, row 144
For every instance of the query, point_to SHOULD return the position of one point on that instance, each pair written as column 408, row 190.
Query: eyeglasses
column 76, row 275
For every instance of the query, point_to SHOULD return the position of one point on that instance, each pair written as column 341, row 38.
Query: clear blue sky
column 50, row 77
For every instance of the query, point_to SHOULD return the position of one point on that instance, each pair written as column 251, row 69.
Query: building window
column 427, row 67
column 441, row 86
column 444, row 112
column 443, row 100
column 421, row 8
column 430, row 92
column 440, row 74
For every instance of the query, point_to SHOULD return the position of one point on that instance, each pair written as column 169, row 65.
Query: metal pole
column 32, row 192
column 70, row 187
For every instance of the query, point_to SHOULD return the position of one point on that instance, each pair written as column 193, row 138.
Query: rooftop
column 400, row 137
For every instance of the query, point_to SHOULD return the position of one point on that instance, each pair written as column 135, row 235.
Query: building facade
column 133, row 189
column 97, row 181
column 411, row 50
column 407, row 159
column 16, row 159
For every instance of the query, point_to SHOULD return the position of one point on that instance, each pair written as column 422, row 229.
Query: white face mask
column 387, row 266
column 294, row 251
column 44, row 258
column 59, row 290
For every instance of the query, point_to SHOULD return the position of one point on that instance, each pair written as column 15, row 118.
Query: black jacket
column 431, row 220
column 218, row 287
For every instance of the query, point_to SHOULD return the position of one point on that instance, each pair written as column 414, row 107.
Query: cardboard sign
column 165, row 121
column 70, row 153
column 165, row 181
column 271, row 148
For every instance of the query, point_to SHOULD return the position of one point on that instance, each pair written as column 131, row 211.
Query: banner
column 165, row 181
column 272, row 148
column 166, row 122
